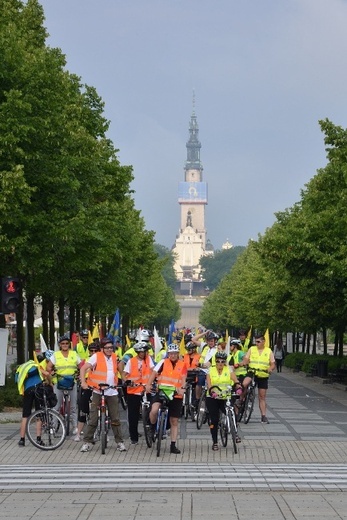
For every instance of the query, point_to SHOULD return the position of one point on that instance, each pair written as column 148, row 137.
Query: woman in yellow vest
column 260, row 359
column 222, row 376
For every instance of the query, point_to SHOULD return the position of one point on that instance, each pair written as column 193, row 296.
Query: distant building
column 227, row 245
column 191, row 243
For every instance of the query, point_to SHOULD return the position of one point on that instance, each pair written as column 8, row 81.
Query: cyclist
column 143, row 335
column 136, row 371
column 245, row 342
column 28, row 376
column 171, row 374
column 65, row 364
column 260, row 359
column 220, row 375
column 103, row 369
column 84, row 398
column 192, row 359
column 208, row 350
column 82, row 345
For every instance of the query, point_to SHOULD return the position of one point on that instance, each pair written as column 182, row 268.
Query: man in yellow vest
column 65, row 364
column 102, row 368
column 260, row 359
column 82, row 345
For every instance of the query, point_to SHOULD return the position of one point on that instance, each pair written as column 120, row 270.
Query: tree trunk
column 44, row 316
column 30, row 325
column 325, row 343
column 51, row 320
column 61, row 307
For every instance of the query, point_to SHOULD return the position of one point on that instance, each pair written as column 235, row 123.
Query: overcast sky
column 264, row 73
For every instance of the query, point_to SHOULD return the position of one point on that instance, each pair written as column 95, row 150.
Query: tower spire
column 193, row 144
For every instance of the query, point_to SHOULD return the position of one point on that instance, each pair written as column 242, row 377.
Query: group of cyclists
column 206, row 361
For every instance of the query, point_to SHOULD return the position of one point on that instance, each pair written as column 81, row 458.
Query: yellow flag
column 96, row 331
column 182, row 347
column 35, row 357
column 267, row 338
column 90, row 338
column 127, row 339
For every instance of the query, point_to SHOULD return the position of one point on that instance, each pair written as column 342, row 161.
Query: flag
column 90, row 337
column 74, row 339
column 96, row 334
column 115, row 327
column 43, row 346
column 226, row 336
column 157, row 342
column 227, row 345
column 56, row 345
column 171, row 331
column 267, row 338
column 128, row 342
column 182, row 347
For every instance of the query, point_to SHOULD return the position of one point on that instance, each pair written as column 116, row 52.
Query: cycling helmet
column 190, row 346
column 64, row 337
column 179, row 336
column 141, row 346
column 173, row 347
column 84, row 332
column 235, row 342
column 49, row 354
column 211, row 335
column 188, row 337
column 94, row 346
column 221, row 355
column 143, row 335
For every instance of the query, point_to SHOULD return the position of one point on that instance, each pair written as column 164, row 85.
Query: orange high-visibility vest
column 192, row 363
column 172, row 375
column 99, row 374
column 140, row 377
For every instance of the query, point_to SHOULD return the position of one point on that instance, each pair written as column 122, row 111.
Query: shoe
column 215, row 447
column 238, row 439
column 121, row 447
column 21, row 442
column 74, row 431
column 264, row 419
column 77, row 438
column 134, row 443
column 40, row 442
column 175, row 450
column 86, row 447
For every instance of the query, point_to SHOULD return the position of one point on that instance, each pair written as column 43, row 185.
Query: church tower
column 190, row 243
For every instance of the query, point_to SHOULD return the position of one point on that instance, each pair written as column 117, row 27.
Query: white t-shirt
column 110, row 374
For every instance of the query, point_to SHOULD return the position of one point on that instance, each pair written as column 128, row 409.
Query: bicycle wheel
column 53, row 431
column 190, row 404
column 185, row 406
column 66, row 413
column 223, row 429
column 232, row 429
column 103, row 432
column 249, row 405
column 201, row 417
column 147, row 426
column 160, row 431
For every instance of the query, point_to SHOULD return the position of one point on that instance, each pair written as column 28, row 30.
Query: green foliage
column 9, row 396
column 214, row 268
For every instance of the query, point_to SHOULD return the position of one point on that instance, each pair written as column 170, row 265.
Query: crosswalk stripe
column 178, row 476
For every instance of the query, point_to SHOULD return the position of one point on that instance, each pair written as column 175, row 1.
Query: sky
column 264, row 73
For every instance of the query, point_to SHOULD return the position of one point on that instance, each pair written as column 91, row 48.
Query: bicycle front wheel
column 223, row 429
column 147, row 426
column 49, row 426
column 161, row 431
column 103, row 432
column 201, row 417
column 232, row 429
column 249, row 405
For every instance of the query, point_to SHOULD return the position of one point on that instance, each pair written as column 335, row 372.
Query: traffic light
column 11, row 294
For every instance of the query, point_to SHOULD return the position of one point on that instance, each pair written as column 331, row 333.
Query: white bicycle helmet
column 173, row 347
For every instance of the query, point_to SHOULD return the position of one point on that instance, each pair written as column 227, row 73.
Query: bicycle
column 227, row 421
column 104, row 420
column 161, row 424
column 188, row 407
column 65, row 409
column 247, row 405
column 122, row 397
column 202, row 412
column 52, row 428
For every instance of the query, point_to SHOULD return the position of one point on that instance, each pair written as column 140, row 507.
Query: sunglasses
column 108, row 348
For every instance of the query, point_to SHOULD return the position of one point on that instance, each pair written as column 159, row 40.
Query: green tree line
column 68, row 224
column 294, row 277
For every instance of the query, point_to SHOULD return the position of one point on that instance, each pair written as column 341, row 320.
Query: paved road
column 293, row 468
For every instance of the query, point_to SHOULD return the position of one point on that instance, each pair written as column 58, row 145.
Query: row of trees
column 68, row 225
column 294, row 278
